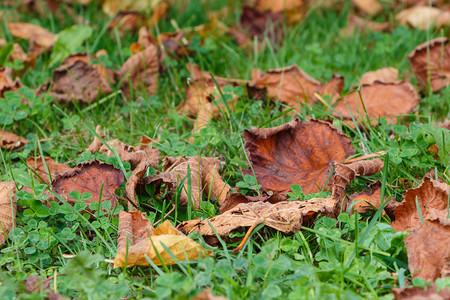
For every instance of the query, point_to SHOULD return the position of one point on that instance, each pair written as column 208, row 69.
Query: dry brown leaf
column 298, row 152
column 294, row 10
column 370, row 7
column 6, row 82
column 292, row 85
column 112, row 7
column 428, row 249
column 8, row 208
column 128, row 22
column 34, row 284
column 77, row 80
column 237, row 198
column 207, row 295
column 417, row 293
column 386, row 75
column 93, row 177
column 96, row 143
column 423, row 17
column 140, row 71
column 182, row 247
column 432, row 198
column 346, row 173
column 362, row 25
column 10, row 141
column 126, row 153
column 151, row 159
column 133, row 227
column 212, row 182
column 17, row 53
column 52, row 167
column 430, row 62
column 34, row 33
column 286, row 216
column 385, row 100
column 256, row 24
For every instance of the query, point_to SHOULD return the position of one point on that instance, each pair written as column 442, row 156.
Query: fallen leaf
column 430, row 62
column 77, row 80
column 140, row 71
column 93, row 177
column 356, row 23
column 112, row 7
column 417, row 293
column 8, row 208
column 6, row 82
column 292, row 85
column 381, row 100
column 286, row 216
column 423, row 17
column 96, row 143
column 133, row 227
column 207, row 295
column 429, row 249
column 180, row 246
column 237, row 198
column 386, row 75
column 370, row 7
column 10, row 141
column 432, row 198
column 298, row 152
column 17, row 53
column 294, row 10
column 51, row 167
column 127, row 22
column 257, row 24
column 346, row 173
column 212, row 182
column 33, row 33
column 34, row 284
column 126, row 152
column 151, row 159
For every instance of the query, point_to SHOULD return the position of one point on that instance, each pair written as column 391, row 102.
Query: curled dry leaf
column 286, row 216
column 207, row 295
column 133, row 227
column 386, row 75
column 362, row 25
column 51, row 168
column 430, row 62
column 432, row 198
column 294, row 10
column 77, row 80
column 10, row 141
column 127, row 21
column 385, row 100
column 96, row 143
column 298, row 152
column 417, row 293
column 370, row 7
column 34, row 284
column 257, row 23
column 6, row 82
column 151, row 159
column 8, row 208
column 112, row 7
column 237, row 198
column 126, row 153
column 346, row 173
column 34, row 33
column 292, row 85
column 423, row 17
column 180, row 246
column 140, row 71
column 93, row 177
column 428, row 249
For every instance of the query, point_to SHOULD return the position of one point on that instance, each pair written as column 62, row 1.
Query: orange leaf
column 8, row 208
column 55, row 169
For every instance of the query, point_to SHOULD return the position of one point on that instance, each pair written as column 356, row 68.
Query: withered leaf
column 8, row 208
column 286, row 216
column 6, row 81
column 17, row 53
column 96, row 143
column 212, row 182
column 370, row 7
column 93, row 177
column 37, row 34
column 362, row 25
column 34, row 284
column 112, row 7
column 417, row 293
column 257, row 23
column 52, row 167
column 207, row 295
column 182, row 247
column 385, row 100
column 298, row 152
column 140, row 71
column 77, row 80
column 237, row 198
column 428, row 249
column 133, row 227
column 423, row 17
column 430, row 62
column 292, row 9
column 432, row 198
column 386, row 75
column 10, row 141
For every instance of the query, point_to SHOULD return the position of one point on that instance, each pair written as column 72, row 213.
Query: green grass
column 351, row 258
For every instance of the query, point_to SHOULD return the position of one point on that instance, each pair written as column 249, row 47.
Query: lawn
column 229, row 148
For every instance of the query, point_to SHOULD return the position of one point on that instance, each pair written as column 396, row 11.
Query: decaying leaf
column 428, row 249
column 386, row 75
column 17, row 53
column 432, row 198
column 34, row 284
column 298, row 152
column 112, row 7
column 385, row 100
column 430, row 62
column 93, row 177
column 292, row 85
column 151, row 159
column 346, row 173
column 51, row 168
column 292, row 9
column 363, row 25
column 127, row 21
column 10, row 141
column 6, row 81
column 96, row 143
column 207, row 295
column 77, row 80
column 34, row 33
column 140, row 71
column 133, row 227
column 8, row 207
column 417, row 293
column 423, row 17
column 182, row 247
column 370, row 7
column 286, row 216
column 237, row 198
column 256, row 24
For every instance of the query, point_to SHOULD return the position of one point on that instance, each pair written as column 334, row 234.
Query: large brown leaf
column 429, row 249
column 33, row 33
column 385, row 100
column 292, row 9
column 93, row 177
column 237, row 198
column 370, row 7
column 432, row 198
column 423, row 17
column 10, row 141
column 418, row 293
column 51, row 167
column 133, row 227
column 298, row 152
column 8, row 207
column 430, row 62
column 386, row 75
column 6, row 81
